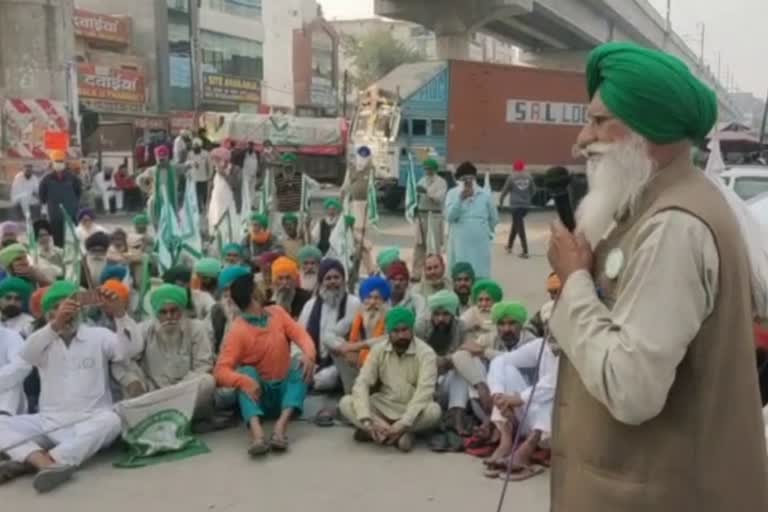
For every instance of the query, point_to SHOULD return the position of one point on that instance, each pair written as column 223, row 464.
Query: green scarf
column 170, row 189
column 256, row 320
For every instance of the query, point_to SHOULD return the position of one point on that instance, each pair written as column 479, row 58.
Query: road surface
column 325, row 470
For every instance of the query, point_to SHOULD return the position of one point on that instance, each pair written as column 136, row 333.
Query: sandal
column 518, row 473
column 278, row 443
column 258, row 449
column 10, row 470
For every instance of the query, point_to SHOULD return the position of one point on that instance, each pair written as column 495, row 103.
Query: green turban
column 653, row 92
column 208, row 267
column 289, row 158
column 231, row 274
column 56, row 293
column 332, row 201
column 444, row 300
column 399, row 316
column 17, row 285
column 509, row 309
column 168, row 294
column 386, row 257
column 259, row 218
column 309, row 252
column 349, row 221
column 488, row 286
column 232, row 247
column 141, row 219
column 290, row 217
column 430, row 164
column 10, row 254
column 462, row 267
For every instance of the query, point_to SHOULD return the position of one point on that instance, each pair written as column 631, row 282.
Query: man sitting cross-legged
column 256, row 360
column 176, row 349
column 393, row 396
column 76, row 418
column 512, row 396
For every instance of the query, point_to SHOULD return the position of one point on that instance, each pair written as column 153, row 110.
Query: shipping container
column 499, row 114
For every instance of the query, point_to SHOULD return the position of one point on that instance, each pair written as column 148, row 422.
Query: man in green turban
column 321, row 232
column 403, row 371
column 652, row 234
column 14, row 298
column 463, row 277
column 73, row 363
column 259, row 240
column 512, row 393
column 176, row 349
column 232, row 254
column 309, row 260
column 428, row 228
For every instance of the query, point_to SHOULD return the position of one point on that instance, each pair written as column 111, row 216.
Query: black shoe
column 524, row 255
column 361, row 436
column 439, row 442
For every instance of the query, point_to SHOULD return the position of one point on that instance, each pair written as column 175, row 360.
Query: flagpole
column 355, row 275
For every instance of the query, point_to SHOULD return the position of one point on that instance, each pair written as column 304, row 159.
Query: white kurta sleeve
column 13, row 373
column 627, row 357
column 127, row 343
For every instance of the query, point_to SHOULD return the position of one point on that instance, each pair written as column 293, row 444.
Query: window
column 231, row 55
column 404, row 127
column 747, row 187
column 178, row 5
column 419, row 127
column 245, row 8
column 438, row 127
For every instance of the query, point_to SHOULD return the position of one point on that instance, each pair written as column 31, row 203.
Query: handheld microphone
column 557, row 179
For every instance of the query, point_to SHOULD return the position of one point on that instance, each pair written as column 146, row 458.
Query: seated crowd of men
column 258, row 330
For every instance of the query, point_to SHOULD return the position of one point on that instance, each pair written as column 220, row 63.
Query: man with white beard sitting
column 285, row 287
column 309, row 259
column 176, row 349
column 658, row 399
column 76, row 418
column 327, row 317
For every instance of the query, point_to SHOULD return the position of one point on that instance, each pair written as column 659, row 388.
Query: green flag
column 191, row 240
column 169, row 239
column 373, row 204
column 31, row 240
column 71, row 257
column 411, row 194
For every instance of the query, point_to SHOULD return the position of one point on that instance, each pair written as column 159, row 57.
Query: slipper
column 526, row 472
column 10, row 470
column 278, row 443
column 258, row 449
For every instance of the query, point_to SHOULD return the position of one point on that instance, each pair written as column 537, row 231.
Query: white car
column 758, row 205
column 747, row 181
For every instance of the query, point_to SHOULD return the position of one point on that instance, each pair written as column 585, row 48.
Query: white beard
column 308, row 281
column 617, row 175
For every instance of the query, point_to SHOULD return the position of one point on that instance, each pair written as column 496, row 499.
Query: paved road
column 325, row 470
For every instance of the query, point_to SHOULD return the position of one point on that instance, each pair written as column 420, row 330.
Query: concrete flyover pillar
column 452, row 36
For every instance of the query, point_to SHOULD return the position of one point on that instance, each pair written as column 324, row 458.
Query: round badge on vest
column 614, row 263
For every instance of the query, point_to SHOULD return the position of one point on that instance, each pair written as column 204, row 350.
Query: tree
column 375, row 54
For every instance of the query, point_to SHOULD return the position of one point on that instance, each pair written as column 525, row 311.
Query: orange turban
column 57, row 155
column 36, row 302
column 284, row 265
column 553, row 283
column 118, row 288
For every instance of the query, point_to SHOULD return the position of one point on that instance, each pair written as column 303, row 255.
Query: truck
column 319, row 143
column 455, row 111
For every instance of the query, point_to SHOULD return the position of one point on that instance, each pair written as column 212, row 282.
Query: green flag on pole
column 191, row 240
column 169, row 239
column 31, row 239
column 373, row 203
column 411, row 194
column 71, row 257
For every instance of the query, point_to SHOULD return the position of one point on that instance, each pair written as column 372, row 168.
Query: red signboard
column 101, row 27
column 107, row 83
column 56, row 140
column 182, row 121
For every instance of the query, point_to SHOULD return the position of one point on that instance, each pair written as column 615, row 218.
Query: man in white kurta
column 76, row 417
column 13, row 371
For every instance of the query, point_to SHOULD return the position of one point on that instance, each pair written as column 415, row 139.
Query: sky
column 737, row 29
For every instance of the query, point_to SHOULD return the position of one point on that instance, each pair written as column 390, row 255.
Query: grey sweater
column 520, row 188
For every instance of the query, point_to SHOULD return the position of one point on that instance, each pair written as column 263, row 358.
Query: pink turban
column 162, row 152
column 221, row 153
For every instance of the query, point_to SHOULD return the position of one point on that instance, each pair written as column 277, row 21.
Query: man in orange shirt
column 256, row 360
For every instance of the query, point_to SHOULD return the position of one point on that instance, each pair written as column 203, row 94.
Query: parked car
column 747, row 181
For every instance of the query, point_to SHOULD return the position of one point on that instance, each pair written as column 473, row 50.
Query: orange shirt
column 268, row 349
column 356, row 333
